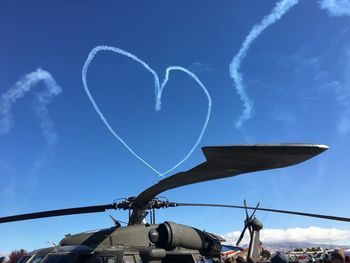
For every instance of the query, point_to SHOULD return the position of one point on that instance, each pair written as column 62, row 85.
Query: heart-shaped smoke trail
column 277, row 12
column 42, row 99
column 159, row 88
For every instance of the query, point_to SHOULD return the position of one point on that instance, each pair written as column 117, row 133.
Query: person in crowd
column 337, row 256
column 279, row 257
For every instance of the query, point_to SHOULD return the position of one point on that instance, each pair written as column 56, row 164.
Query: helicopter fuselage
column 166, row 242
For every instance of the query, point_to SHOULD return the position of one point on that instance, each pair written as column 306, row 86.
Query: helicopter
column 168, row 242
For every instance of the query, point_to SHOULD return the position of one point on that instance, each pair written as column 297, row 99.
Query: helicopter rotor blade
column 245, row 209
column 242, row 235
column 247, row 222
column 328, row 217
column 252, row 215
column 228, row 161
column 59, row 212
column 221, row 162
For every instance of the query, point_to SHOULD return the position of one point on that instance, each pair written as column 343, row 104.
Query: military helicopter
column 170, row 242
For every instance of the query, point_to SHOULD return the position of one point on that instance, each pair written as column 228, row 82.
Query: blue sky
column 55, row 151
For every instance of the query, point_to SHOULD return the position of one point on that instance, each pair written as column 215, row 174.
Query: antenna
column 53, row 244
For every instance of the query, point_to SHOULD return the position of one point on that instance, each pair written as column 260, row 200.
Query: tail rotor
column 248, row 222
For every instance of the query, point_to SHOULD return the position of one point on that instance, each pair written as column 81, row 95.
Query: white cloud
column 284, row 116
column 343, row 126
column 342, row 91
column 316, row 235
column 339, row 89
column 336, row 7
column 4, row 254
column 344, row 122
column 199, row 68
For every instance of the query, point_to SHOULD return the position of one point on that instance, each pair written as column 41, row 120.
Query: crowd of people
column 334, row 256
column 330, row 256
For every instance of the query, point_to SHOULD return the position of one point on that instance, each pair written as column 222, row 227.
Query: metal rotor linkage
column 155, row 203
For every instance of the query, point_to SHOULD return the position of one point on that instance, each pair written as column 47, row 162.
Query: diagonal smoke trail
column 159, row 88
column 277, row 12
column 42, row 99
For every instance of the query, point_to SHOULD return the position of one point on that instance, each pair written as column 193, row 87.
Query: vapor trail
column 277, row 12
column 159, row 88
column 42, row 99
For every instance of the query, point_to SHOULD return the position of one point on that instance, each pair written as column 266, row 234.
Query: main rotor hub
column 155, row 203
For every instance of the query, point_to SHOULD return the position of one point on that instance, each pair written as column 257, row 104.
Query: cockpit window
column 24, row 259
column 56, row 258
column 66, row 258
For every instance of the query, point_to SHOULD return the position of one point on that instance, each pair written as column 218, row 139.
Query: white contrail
column 159, row 87
column 42, row 99
column 278, row 11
